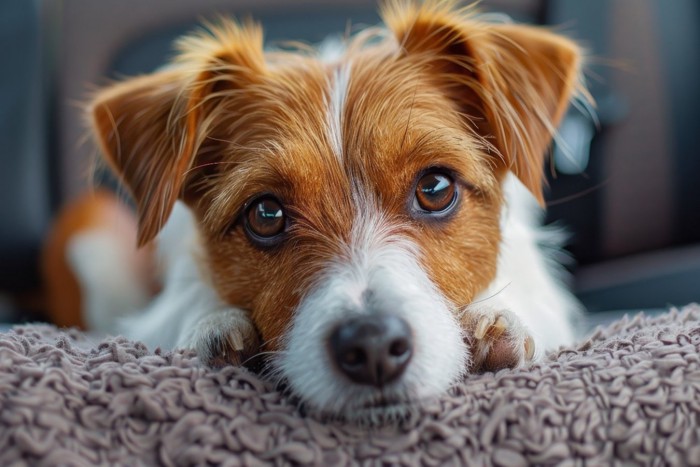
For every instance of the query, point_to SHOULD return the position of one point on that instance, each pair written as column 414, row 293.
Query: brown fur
column 228, row 123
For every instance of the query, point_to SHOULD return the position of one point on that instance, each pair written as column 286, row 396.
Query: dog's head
column 352, row 205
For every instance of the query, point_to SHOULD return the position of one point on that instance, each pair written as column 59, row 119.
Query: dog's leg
column 526, row 310
column 188, row 312
column 497, row 340
column 224, row 337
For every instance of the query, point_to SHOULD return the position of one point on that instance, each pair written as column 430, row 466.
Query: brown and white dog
column 367, row 218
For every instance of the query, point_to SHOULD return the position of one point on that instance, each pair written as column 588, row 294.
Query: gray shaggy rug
column 630, row 394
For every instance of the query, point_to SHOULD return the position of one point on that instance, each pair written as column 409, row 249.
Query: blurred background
column 625, row 184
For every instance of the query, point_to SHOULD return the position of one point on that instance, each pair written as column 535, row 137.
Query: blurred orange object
column 93, row 211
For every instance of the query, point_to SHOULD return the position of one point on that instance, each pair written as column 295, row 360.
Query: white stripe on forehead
column 370, row 227
column 336, row 107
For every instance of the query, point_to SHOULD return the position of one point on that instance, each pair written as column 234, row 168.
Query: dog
column 367, row 218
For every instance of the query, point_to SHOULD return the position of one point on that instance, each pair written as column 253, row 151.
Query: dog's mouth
column 384, row 401
column 384, row 405
column 382, row 410
column 375, row 410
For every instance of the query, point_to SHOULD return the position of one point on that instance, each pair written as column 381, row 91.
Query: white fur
column 185, row 299
column 98, row 259
column 378, row 273
column 529, row 280
column 336, row 107
column 331, row 49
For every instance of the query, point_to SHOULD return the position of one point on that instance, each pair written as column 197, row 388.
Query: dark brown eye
column 435, row 192
column 265, row 218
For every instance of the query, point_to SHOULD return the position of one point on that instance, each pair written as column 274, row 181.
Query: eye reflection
column 265, row 218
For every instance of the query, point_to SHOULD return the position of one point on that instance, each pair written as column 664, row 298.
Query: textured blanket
column 630, row 393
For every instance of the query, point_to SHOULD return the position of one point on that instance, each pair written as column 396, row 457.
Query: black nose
column 372, row 350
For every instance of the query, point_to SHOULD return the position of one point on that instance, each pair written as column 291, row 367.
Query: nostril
column 353, row 358
column 399, row 347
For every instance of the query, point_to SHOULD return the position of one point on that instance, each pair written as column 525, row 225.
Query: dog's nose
column 372, row 350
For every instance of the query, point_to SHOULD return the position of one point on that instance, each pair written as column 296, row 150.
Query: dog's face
column 352, row 206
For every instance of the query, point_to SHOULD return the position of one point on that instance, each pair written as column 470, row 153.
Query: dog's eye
column 435, row 192
column 265, row 218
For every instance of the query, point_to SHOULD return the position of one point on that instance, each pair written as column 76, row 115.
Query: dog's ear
column 514, row 82
column 151, row 128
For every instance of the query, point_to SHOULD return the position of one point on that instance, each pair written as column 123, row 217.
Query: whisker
column 272, row 340
column 467, row 307
column 260, row 354
column 408, row 120
column 208, row 164
column 580, row 194
column 220, row 140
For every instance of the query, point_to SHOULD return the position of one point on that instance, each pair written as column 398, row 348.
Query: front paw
column 499, row 340
column 225, row 338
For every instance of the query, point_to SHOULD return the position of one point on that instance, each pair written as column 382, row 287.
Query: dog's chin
column 337, row 399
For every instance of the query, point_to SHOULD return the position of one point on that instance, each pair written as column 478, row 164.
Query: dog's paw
column 224, row 338
column 499, row 340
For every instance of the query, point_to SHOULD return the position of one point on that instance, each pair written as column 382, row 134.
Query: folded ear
column 151, row 128
column 514, row 82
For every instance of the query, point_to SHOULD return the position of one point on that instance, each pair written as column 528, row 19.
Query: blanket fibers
column 629, row 395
